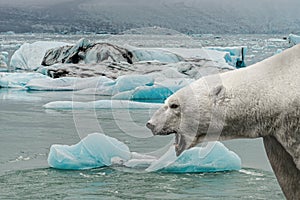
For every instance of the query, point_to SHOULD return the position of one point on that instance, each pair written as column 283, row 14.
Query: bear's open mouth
column 166, row 133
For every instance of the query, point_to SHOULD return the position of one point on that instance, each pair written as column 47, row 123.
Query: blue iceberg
column 155, row 92
column 212, row 158
column 151, row 92
column 99, row 150
column 294, row 39
column 236, row 56
column 95, row 150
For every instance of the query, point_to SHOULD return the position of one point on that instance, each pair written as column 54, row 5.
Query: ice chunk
column 86, row 52
column 160, row 91
column 220, row 58
column 211, row 62
column 30, row 56
column 122, row 84
column 236, row 56
column 66, row 83
column 101, row 104
column 3, row 59
column 96, row 150
column 294, row 39
column 140, row 160
column 278, row 51
column 219, row 158
column 155, row 92
column 130, row 82
column 160, row 55
column 234, row 51
column 19, row 80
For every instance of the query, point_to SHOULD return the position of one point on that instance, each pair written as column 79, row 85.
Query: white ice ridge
column 18, row 80
column 101, row 104
column 98, row 150
column 30, row 56
column 66, row 83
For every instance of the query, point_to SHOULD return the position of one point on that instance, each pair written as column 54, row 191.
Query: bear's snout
column 150, row 126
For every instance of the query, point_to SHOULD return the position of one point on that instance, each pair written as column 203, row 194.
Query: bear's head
column 187, row 114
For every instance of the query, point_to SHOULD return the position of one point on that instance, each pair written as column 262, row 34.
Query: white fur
column 258, row 101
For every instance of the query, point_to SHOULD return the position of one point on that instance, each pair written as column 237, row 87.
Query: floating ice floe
column 3, row 59
column 130, row 82
column 30, row 56
column 160, row 55
column 294, row 39
column 19, row 80
column 66, row 83
column 159, row 91
column 278, row 51
column 96, row 150
column 101, row 104
column 236, row 55
column 145, row 93
column 99, row 150
column 218, row 158
column 152, row 86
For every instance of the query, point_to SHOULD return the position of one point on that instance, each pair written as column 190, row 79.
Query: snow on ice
column 101, row 104
column 30, row 56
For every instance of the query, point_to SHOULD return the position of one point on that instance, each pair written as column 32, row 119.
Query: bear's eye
column 173, row 106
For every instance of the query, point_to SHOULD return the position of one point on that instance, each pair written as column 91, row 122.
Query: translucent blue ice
column 212, row 158
column 99, row 150
column 159, row 91
column 145, row 93
column 234, row 55
column 154, row 93
column 294, row 39
column 95, row 150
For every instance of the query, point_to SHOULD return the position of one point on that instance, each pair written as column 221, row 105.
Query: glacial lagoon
column 28, row 130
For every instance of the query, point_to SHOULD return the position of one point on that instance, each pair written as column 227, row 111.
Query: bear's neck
column 261, row 96
column 259, row 110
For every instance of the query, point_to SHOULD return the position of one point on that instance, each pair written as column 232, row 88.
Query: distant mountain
column 115, row 16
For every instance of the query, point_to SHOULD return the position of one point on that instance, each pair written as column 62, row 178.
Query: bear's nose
column 150, row 126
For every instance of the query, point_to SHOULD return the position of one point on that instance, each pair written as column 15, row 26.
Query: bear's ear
column 217, row 93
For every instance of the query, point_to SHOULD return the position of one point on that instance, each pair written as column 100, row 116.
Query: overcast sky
column 246, row 15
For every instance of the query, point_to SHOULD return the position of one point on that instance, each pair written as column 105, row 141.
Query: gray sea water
column 27, row 131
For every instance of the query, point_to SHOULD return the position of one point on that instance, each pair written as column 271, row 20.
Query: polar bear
column 262, row 100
